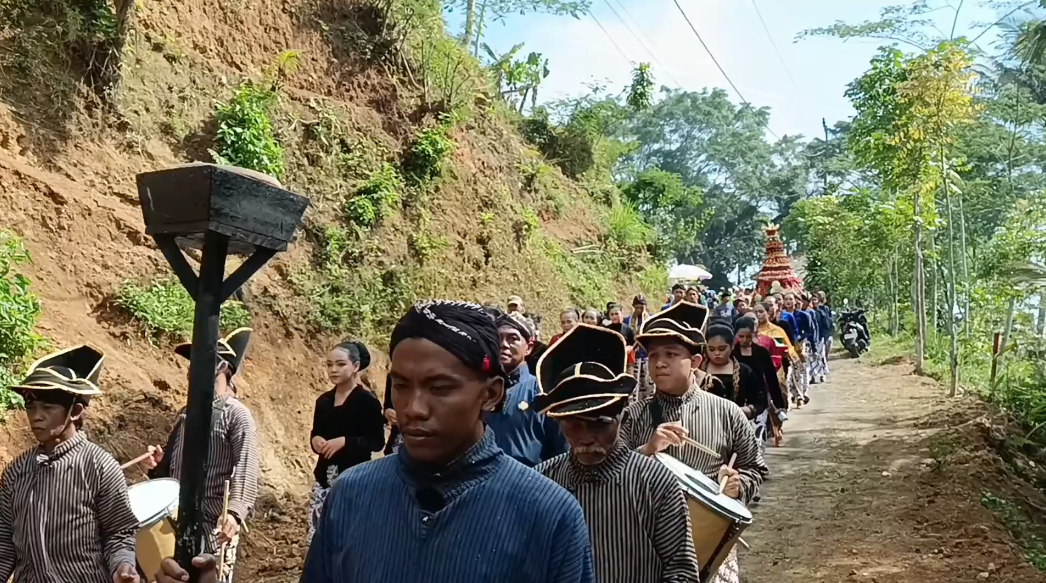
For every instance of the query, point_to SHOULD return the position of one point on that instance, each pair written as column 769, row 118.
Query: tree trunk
column 953, row 348
column 1008, row 326
column 470, row 22
column 479, row 28
column 896, row 283
column 967, row 315
column 935, row 281
column 1040, row 319
column 918, row 289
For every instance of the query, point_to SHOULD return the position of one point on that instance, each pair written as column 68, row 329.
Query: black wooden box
column 251, row 208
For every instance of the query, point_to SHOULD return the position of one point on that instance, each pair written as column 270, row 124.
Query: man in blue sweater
column 519, row 430
column 450, row 506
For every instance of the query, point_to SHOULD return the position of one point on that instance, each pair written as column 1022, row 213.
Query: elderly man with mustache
column 634, row 507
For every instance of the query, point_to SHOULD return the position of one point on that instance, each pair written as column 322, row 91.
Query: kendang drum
column 155, row 505
column 716, row 521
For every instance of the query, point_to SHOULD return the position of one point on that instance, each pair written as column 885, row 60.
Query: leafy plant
column 427, row 154
column 424, row 246
column 19, row 313
column 245, row 135
column 525, row 225
column 164, row 308
column 627, row 227
column 375, row 199
column 641, row 92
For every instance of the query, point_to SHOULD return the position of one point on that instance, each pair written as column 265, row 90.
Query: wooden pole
column 197, row 433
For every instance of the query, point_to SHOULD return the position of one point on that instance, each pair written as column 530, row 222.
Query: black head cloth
column 465, row 330
column 683, row 321
column 517, row 322
column 74, row 371
column 583, row 373
column 232, row 349
column 357, row 351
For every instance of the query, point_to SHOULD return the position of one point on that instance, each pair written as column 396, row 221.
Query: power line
column 621, row 52
column 770, row 37
column 720, row 67
column 640, row 41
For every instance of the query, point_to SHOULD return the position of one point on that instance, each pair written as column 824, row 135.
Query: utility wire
column 770, row 37
column 720, row 67
column 621, row 52
column 641, row 43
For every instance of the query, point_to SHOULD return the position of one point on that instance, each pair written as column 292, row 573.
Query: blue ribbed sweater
column 502, row 523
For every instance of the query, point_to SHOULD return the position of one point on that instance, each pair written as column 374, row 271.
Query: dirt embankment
column 882, row 479
column 67, row 167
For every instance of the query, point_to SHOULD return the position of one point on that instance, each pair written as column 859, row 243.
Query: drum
column 155, row 505
column 716, row 521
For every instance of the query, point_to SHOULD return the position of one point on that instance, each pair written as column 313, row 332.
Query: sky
column 805, row 88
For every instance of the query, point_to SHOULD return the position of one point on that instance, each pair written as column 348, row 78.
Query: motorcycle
column 854, row 332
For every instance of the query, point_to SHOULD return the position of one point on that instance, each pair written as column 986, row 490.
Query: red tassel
column 486, row 364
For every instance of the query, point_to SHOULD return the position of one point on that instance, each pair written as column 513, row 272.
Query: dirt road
column 858, row 493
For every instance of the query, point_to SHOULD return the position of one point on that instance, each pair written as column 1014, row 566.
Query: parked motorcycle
column 853, row 327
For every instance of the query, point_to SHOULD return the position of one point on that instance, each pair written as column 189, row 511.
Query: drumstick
column 225, row 511
column 698, row 445
column 140, row 458
column 724, row 479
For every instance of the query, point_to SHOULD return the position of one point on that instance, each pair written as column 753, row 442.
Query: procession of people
column 629, row 448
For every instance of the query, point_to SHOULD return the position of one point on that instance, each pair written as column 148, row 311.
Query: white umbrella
column 688, row 273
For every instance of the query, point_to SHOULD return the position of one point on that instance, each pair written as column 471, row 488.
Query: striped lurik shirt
column 637, row 516
column 484, row 518
column 712, row 421
column 65, row 517
column 233, row 456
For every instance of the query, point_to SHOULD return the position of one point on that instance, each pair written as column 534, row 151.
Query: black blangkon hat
column 682, row 321
column 231, row 349
column 583, row 372
column 73, row 370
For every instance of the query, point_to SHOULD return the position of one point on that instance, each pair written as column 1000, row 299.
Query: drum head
column 704, row 489
column 153, row 500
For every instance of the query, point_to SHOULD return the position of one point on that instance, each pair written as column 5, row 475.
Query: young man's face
column 637, row 308
column 514, row 348
column 438, row 401
column 590, row 440
column 677, row 294
column 670, row 365
column 49, row 415
column 691, row 296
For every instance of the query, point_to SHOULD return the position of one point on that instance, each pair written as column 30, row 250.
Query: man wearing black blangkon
column 451, row 505
column 634, row 506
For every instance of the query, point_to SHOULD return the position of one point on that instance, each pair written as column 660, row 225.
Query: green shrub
column 627, row 227
column 427, row 154
column 424, row 245
column 587, row 276
column 364, row 302
column 245, row 135
column 525, row 225
column 19, row 313
column 164, row 308
column 83, row 35
column 375, row 199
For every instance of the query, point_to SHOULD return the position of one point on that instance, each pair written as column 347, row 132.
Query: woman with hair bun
column 347, row 424
column 737, row 382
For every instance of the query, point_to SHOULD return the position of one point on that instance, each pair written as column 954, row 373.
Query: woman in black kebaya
column 347, row 426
